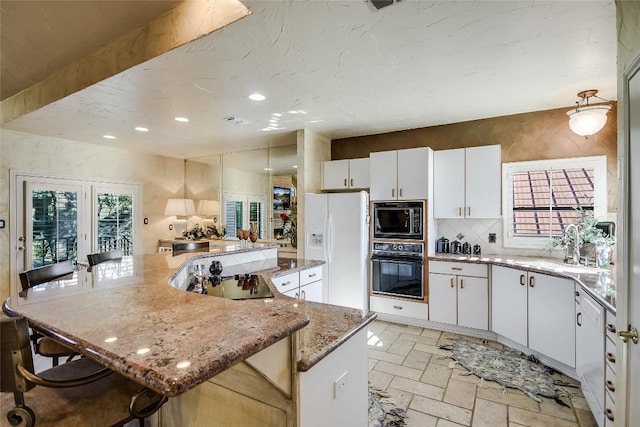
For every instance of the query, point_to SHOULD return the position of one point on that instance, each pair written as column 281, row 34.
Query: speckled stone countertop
column 126, row 316
column 599, row 283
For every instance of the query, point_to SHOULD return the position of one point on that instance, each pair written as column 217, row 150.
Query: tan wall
column 531, row 136
column 161, row 178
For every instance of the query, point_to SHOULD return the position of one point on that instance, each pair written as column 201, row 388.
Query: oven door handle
column 392, row 258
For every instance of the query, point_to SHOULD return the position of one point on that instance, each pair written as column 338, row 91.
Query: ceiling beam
column 188, row 21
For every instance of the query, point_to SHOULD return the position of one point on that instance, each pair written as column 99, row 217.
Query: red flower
column 284, row 217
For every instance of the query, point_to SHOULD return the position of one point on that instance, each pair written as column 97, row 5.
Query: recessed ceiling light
column 181, row 119
column 108, row 137
column 142, row 129
column 257, row 97
column 295, row 166
column 277, row 115
column 268, row 169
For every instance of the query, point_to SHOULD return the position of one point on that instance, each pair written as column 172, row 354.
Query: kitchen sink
column 562, row 267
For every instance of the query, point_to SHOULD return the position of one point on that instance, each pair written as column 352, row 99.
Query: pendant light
column 585, row 119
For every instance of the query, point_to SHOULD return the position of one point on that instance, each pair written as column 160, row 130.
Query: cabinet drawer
column 398, row 307
column 310, row 275
column 286, row 282
column 458, row 268
column 610, row 326
column 610, row 352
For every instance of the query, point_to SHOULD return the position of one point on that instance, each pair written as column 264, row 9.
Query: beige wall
column 161, row 178
column 531, row 136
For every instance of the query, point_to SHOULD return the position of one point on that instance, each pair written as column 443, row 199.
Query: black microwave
column 398, row 220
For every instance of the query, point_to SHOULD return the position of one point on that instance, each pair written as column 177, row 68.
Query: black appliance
column 238, row 287
column 398, row 269
column 398, row 220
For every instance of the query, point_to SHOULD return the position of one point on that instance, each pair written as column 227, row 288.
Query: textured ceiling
column 341, row 69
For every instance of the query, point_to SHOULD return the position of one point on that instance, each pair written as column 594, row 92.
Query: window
column 115, row 207
column 241, row 211
column 540, row 197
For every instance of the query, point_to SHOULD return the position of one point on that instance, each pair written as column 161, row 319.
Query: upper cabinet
column 467, row 182
column 345, row 174
column 400, row 174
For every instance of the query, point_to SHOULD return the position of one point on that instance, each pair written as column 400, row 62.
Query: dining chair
column 43, row 345
column 79, row 393
column 100, row 257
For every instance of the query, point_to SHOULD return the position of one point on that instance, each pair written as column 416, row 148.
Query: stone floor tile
column 431, row 349
column 436, row 374
column 447, row 423
column 372, row 363
column 424, row 339
column 431, row 333
column 585, row 418
column 534, row 419
column 512, row 397
column 401, row 347
column 417, row 388
column 387, row 357
column 419, row 419
column 489, row 414
column 465, row 376
column 440, row 359
column 551, row 407
column 441, row 410
column 579, row 403
column 398, row 370
column 460, row 393
column 401, row 397
column 417, row 359
column 380, row 379
column 378, row 326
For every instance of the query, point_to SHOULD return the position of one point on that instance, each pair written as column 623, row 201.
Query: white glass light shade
column 209, row 207
column 180, row 207
column 586, row 121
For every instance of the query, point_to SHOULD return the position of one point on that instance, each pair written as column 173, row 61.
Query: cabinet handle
column 397, row 307
column 303, row 295
column 352, row 182
column 611, row 328
column 401, row 192
column 461, row 283
column 531, row 284
column 609, row 413
column 345, row 182
column 469, row 209
column 522, row 279
column 577, row 293
column 610, row 357
column 457, row 268
column 579, row 319
column 312, row 275
column 287, row 283
column 459, row 211
column 452, row 282
column 297, row 295
column 393, row 193
column 609, row 385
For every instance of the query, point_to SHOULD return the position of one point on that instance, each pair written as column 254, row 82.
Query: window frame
column 599, row 165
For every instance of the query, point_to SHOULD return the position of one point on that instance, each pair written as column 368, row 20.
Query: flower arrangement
column 590, row 235
column 216, row 231
column 194, row 233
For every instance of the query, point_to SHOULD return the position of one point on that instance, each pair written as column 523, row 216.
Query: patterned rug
column 383, row 410
column 507, row 367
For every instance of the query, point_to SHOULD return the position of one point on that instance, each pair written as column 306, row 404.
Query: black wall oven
column 398, row 220
column 398, row 269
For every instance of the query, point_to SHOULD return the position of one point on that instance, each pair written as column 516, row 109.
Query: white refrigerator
column 337, row 231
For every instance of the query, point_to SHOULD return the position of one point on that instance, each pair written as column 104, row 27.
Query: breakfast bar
column 133, row 317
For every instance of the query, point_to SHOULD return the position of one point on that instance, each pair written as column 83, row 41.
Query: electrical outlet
column 339, row 385
column 492, row 237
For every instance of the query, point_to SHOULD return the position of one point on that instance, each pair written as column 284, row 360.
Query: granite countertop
column 126, row 316
column 599, row 283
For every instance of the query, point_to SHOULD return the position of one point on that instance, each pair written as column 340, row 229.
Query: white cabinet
column 590, row 350
column 610, row 368
column 399, row 307
column 306, row 284
column 459, row 294
column 345, row 174
column 401, row 174
column 535, row 310
column 466, row 182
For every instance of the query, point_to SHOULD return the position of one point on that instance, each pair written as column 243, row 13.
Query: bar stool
column 100, row 257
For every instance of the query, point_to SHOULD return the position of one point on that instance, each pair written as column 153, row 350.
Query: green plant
column 589, row 233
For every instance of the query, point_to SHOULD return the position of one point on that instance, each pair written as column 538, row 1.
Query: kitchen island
column 128, row 317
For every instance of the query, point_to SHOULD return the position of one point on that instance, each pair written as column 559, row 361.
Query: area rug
column 507, row 367
column 383, row 410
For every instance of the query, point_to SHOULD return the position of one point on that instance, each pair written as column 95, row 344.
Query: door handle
column 578, row 319
column 531, row 284
column 469, row 211
column 459, row 211
column 522, row 279
column 452, row 282
column 351, row 182
column 461, row 283
column 393, row 193
column 632, row 333
column 401, row 192
column 345, row 182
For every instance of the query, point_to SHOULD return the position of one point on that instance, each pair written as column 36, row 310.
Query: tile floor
column 405, row 361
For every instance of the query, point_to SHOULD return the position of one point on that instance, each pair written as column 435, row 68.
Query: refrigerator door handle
column 329, row 250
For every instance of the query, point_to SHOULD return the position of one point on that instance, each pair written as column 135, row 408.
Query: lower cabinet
column 306, row 284
column 459, row 294
column 399, row 307
column 535, row 310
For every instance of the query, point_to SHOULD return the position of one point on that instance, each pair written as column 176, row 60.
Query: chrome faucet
column 575, row 257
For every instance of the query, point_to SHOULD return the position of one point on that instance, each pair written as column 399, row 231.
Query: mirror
column 255, row 188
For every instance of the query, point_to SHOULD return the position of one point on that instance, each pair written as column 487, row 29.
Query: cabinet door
column 383, row 167
column 442, row 298
column 448, row 183
column 551, row 317
column 413, row 173
column 473, row 302
column 335, row 175
column 312, row 292
column 509, row 303
column 483, row 182
column 359, row 173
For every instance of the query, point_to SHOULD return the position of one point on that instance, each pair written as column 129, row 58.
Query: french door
column 241, row 211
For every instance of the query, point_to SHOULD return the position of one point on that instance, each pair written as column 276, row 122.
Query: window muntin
column 540, row 197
